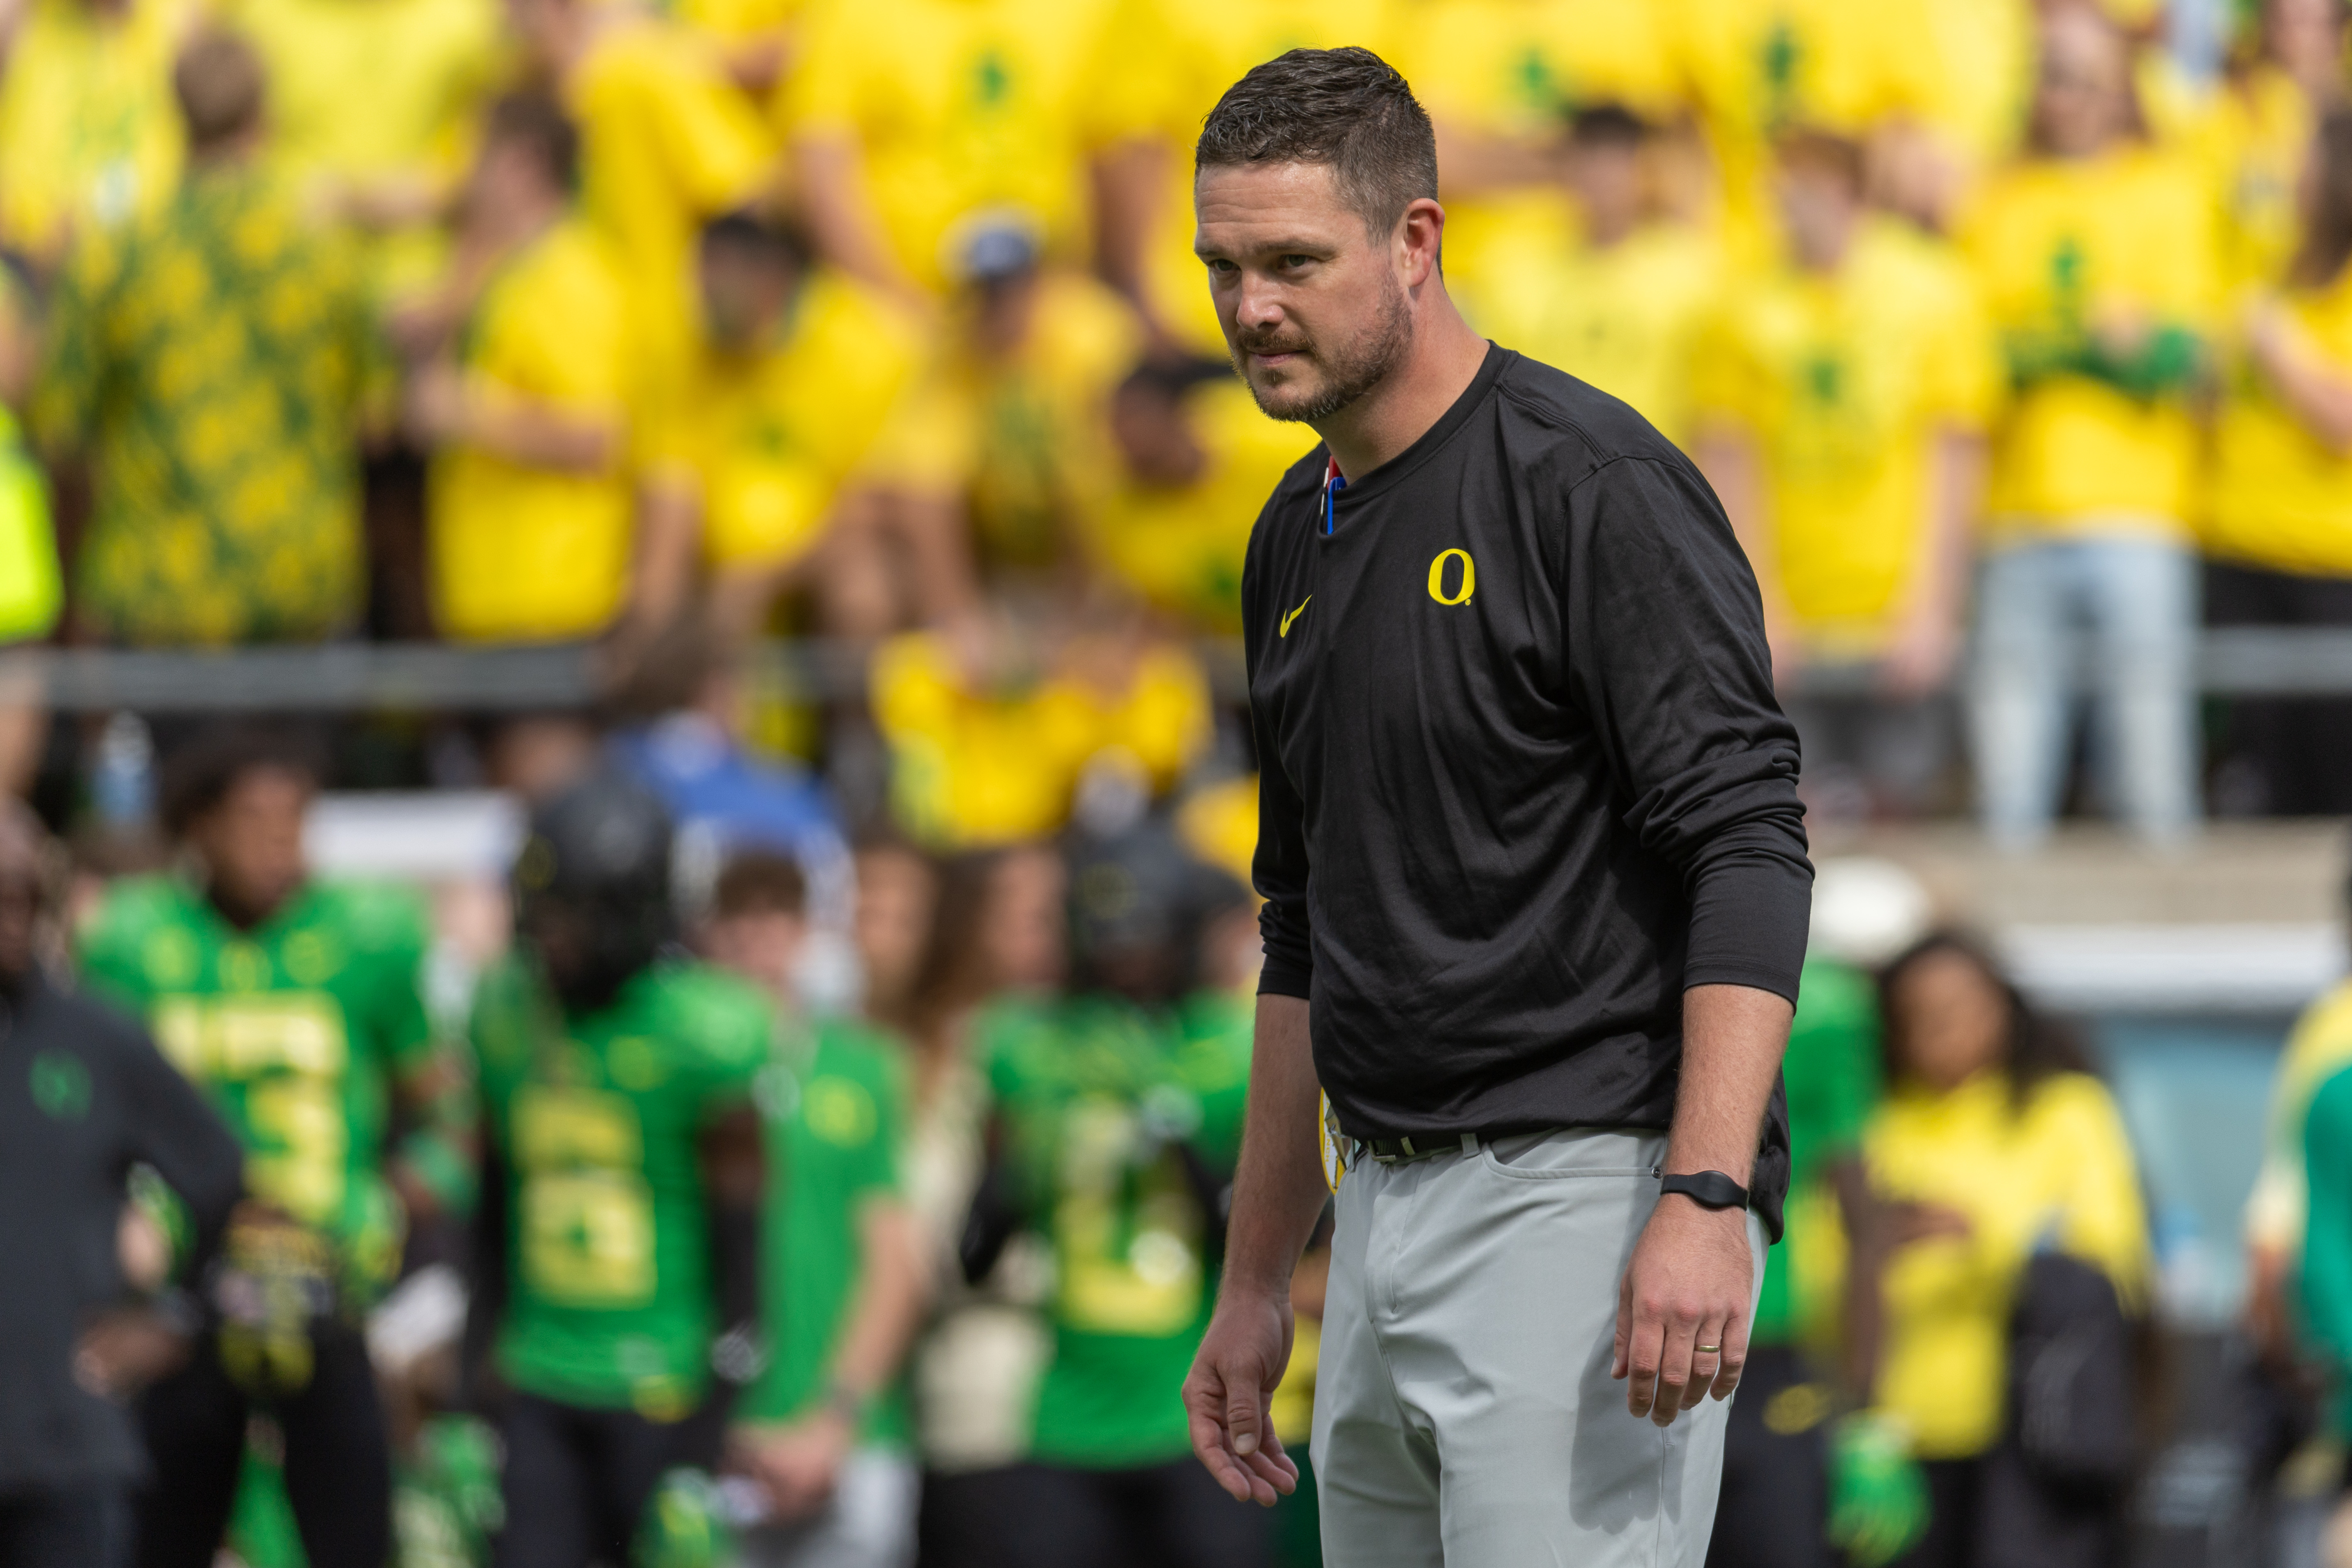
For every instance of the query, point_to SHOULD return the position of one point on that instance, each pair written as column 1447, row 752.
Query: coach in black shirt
column 1536, row 891
column 84, row 1095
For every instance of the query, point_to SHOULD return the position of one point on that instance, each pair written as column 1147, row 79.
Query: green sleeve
column 391, row 922
column 107, row 954
column 2328, row 1237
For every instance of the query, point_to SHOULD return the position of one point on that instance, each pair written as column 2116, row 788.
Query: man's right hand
column 1229, row 1396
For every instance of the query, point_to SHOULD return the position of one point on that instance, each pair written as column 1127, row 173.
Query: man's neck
column 1438, row 367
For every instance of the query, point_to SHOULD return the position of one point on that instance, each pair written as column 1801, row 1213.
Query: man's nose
column 1259, row 305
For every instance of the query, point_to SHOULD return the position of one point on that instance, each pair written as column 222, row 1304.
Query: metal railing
column 2237, row 661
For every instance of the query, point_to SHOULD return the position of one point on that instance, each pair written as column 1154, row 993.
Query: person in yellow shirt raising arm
column 1843, row 395
column 2099, row 261
column 1996, row 1144
column 798, row 370
column 531, row 518
column 1620, row 305
column 2279, row 512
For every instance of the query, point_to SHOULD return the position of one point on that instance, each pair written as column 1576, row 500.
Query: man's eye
column 1295, row 262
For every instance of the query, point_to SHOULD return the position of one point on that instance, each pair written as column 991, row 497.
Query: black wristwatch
column 1709, row 1189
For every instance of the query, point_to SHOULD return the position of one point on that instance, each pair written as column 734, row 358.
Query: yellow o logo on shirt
column 1437, row 577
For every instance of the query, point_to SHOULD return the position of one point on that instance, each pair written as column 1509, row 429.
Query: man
column 1118, row 1111
column 1530, row 843
column 210, row 363
column 84, row 1095
column 294, row 1004
column 826, row 1430
column 618, row 1243
column 531, row 518
column 1843, row 395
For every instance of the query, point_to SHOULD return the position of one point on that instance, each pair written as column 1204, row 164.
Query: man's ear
column 1420, row 239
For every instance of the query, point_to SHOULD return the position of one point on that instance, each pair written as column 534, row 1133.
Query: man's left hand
column 799, row 1463
column 1683, row 1309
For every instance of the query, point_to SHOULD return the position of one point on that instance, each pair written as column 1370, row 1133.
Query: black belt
column 1404, row 1151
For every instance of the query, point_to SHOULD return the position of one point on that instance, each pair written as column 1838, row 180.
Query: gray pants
column 1465, row 1416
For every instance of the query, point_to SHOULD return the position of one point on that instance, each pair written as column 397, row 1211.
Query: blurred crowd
column 2013, row 338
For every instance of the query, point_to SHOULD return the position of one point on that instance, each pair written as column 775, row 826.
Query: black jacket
column 1523, row 776
column 84, row 1096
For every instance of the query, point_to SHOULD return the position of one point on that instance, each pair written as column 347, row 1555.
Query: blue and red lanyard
column 1334, row 481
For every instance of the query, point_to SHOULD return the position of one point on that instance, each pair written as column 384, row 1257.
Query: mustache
column 1272, row 342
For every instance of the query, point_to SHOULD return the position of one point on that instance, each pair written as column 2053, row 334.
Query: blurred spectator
column 1843, row 395
column 90, row 138
column 1196, row 461
column 667, row 143
column 798, row 370
column 1120, row 1114
column 1498, row 77
column 918, row 125
column 32, row 587
column 532, row 516
column 1620, row 302
column 2278, row 1209
column 1994, row 1145
column 988, row 742
column 86, row 1095
column 617, row 1281
column 825, row 1429
column 2326, row 1248
column 1165, row 65
column 2097, row 253
column 210, row 363
column 2279, row 498
column 294, row 1004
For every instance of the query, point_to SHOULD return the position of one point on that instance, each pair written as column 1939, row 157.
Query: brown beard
column 1349, row 372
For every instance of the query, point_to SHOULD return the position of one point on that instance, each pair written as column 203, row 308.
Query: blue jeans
column 2118, row 617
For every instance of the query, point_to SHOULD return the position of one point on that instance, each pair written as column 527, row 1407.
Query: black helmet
column 1139, row 900
column 593, row 886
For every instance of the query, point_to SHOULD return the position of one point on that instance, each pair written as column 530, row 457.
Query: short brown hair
column 1345, row 109
column 220, row 82
column 760, row 882
column 535, row 122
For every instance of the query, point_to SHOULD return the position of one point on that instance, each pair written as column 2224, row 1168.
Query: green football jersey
column 835, row 1110
column 608, row 1235
column 295, row 1029
column 1097, row 1097
column 1832, row 1072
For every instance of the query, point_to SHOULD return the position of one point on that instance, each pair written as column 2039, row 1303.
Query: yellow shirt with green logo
column 1625, row 316
column 2059, row 1169
column 2276, row 495
column 294, row 1030
column 90, row 135
column 596, row 1122
column 520, row 554
column 1511, row 70
column 1846, row 382
column 1167, row 63
column 769, row 436
column 975, row 765
column 2057, row 245
column 964, row 113
column 1180, row 548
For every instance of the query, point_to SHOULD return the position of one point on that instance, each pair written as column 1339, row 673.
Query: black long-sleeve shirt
column 1523, row 777
column 84, row 1095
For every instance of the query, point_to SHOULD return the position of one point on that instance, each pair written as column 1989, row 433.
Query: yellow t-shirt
column 1625, row 319
column 965, row 111
column 1168, row 63
column 2277, row 495
column 667, row 143
column 770, row 437
column 89, row 132
column 1024, row 438
column 1979, row 70
column 1845, row 382
column 1219, row 823
column 2055, row 244
column 2060, row 1170
column 521, row 553
column 2319, row 1049
column 1180, row 548
column 973, row 767
column 1509, row 69
column 2252, row 135
column 1757, row 67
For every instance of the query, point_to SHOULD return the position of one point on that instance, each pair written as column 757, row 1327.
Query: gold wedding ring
column 1708, row 1350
